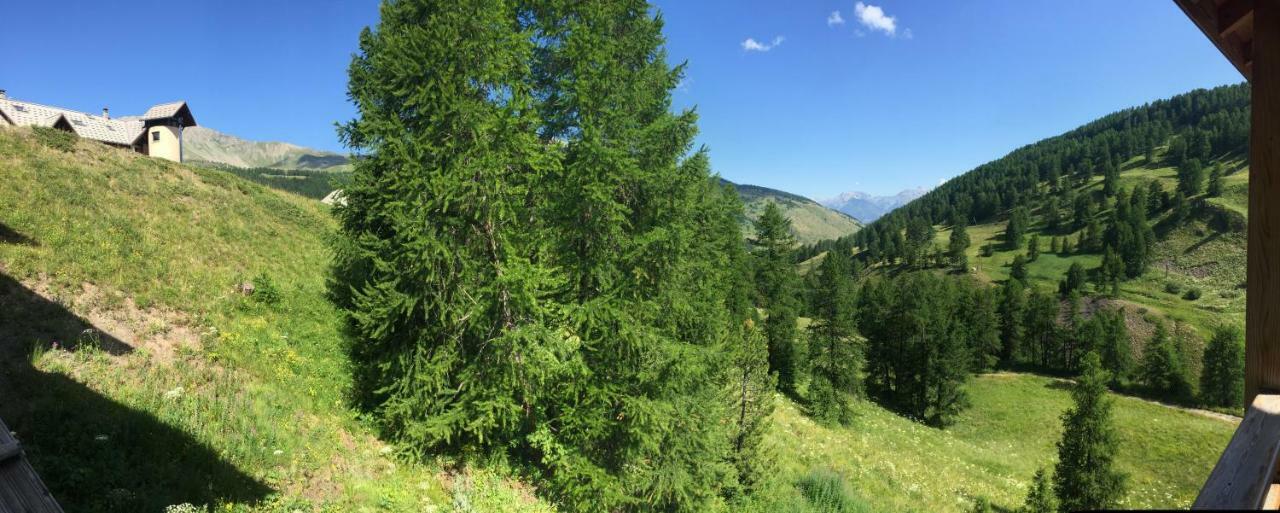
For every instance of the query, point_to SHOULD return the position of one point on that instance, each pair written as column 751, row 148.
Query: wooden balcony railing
column 1245, row 476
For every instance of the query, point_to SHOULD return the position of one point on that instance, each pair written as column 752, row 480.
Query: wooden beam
column 1243, row 476
column 1262, row 310
column 1205, row 15
column 1234, row 15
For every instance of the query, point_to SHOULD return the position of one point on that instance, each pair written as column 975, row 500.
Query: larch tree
column 834, row 356
column 776, row 281
column 1222, row 378
column 1086, row 477
column 532, row 259
column 1040, row 498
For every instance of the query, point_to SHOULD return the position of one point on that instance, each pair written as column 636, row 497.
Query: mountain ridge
column 868, row 207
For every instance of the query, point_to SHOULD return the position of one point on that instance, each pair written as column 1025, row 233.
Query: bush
column 265, row 290
column 827, row 492
column 54, row 138
column 1192, row 294
column 1172, row 288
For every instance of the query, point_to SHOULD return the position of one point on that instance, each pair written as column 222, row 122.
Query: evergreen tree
column 1018, row 268
column 1115, row 347
column 1190, row 177
column 1033, row 247
column 1041, row 328
column 1013, row 307
column 958, row 244
column 1154, row 194
column 835, row 359
column 1085, row 477
column 1016, row 228
column 1052, row 215
column 1162, row 369
column 1215, row 182
column 1055, row 245
column 776, row 279
column 562, row 303
column 1222, row 378
column 918, row 352
column 1181, row 208
column 1040, row 497
column 752, row 389
column 982, row 322
column 1074, row 280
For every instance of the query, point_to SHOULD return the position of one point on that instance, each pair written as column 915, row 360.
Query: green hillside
column 894, row 464
column 130, row 266
column 137, row 377
column 810, row 221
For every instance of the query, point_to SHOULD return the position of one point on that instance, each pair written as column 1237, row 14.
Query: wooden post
column 1262, row 314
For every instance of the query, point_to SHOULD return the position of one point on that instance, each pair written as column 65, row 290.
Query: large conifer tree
column 531, row 259
column 776, row 280
column 834, row 357
column 1086, row 477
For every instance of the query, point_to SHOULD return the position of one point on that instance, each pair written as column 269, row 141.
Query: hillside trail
column 1195, row 411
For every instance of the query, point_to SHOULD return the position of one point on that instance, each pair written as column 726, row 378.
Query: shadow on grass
column 1210, row 238
column 10, row 236
column 93, row 453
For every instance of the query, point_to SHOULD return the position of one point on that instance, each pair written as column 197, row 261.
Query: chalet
column 157, row 132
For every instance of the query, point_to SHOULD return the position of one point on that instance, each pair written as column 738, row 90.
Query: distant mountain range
column 205, row 145
column 867, row 208
column 810, row 221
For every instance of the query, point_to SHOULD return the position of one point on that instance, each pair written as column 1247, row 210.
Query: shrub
column 828, row 492
column 265, row 290
column 1192, row 294
column 54, row 138
column 1172, row 288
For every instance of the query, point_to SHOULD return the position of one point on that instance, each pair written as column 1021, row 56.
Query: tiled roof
column 163, row 110
column 112, row 131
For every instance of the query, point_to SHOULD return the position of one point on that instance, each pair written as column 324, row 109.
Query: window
column 155, row 136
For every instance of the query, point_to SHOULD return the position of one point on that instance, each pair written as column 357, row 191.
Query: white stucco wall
column 168, row 147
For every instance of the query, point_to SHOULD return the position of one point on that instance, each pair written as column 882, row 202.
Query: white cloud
column 874, row 18
column 751, row 45
column 835, row 19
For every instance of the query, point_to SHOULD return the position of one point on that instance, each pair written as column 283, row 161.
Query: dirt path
column 1195, row 411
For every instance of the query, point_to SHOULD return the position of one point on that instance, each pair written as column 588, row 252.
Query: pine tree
column 1222, row 379
column 1033, row 247
column 1016, row 228
column 752, row 388
column 834, row 355
column 1154, row 194
column 1055, row 245
column 1018, row 268
column 1040, row 497
column 563, row 303
column 1162, row 370
column 1085, row 477
column 1190, row 177
column 1115, row 347
column 958, row 244
column 1074, row 280
column 1013, row 305
column 776, row 279
column 1215, row 182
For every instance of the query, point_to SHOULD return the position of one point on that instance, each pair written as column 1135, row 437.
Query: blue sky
column 898, row 94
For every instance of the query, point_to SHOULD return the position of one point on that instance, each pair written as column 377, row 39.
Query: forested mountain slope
column 1063, row 191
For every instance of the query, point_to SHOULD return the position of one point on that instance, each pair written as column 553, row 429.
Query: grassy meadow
column 137, row 376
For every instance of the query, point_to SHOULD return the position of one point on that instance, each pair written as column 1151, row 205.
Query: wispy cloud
column 835, row 19
column 751, row 45
column 874, row 18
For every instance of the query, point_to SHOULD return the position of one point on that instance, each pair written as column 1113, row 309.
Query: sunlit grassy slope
column 1190, row 256
column 196, row 394
column 894, row 464
column 180, row 389
column 810, row 221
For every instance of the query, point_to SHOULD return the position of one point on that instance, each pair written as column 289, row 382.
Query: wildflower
column 174, row 394
column 278, row 452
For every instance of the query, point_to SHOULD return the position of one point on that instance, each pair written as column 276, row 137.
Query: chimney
column 106, row 114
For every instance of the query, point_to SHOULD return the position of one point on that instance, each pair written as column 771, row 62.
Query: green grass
column 893, row 464
column 197, row 394
column 810, row 221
